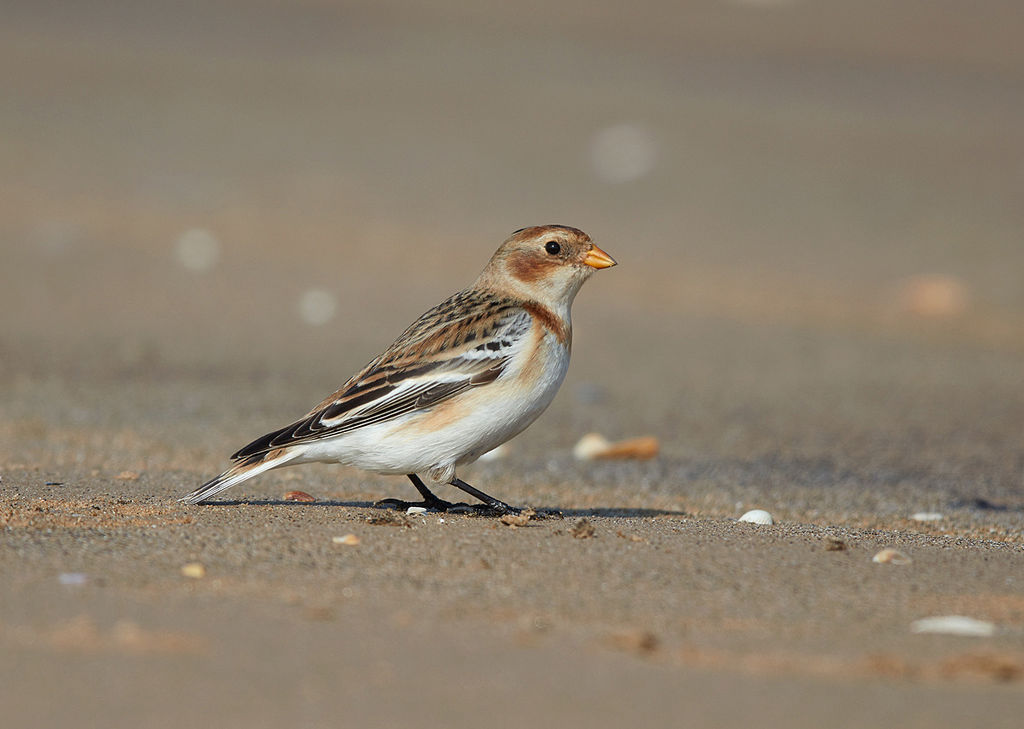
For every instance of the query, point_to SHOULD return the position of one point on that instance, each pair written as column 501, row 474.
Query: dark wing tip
column 260, row 445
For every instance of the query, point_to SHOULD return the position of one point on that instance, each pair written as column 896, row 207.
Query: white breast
column 460, row 430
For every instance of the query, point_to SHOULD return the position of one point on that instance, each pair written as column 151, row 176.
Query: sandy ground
column 211, row 215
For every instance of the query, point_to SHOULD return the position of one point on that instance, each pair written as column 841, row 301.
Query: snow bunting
column 467, row 376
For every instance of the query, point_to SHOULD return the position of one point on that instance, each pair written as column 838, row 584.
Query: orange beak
column 596, row 258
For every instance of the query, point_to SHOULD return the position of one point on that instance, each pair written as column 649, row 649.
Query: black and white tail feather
column 242, row 471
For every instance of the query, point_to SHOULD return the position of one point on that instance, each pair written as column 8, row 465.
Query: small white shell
column 757, row 516
column 891, row 556
column 595, row 445
column 194, row 570
column 73, row 579
column 927, row 516
column 349, row 540
column 954, row 625
column 416, row 510
column 589, row 446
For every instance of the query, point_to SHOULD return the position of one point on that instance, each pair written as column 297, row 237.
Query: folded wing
column 462, row 343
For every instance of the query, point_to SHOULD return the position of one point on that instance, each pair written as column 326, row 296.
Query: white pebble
column 954, row 625
column 622, row 153
column 197, row 250
column 590, row 446
column 757, row 516
column 194, row 570
column 349, row 540
column 416, row 510
column 927, row 516
column 317, row 307
column 595, row 445
column 73, row 579
column 891, row 556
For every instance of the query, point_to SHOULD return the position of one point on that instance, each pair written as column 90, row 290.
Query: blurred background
column 212, row 213
column 218, row 210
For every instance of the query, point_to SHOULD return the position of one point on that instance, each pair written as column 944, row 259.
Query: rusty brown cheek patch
column 532, row 268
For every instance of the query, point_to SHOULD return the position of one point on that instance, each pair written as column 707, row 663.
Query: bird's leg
column 430, row 501
column 499, row 506
column 433, row 502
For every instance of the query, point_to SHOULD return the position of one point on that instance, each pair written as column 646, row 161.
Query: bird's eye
column 552, row 247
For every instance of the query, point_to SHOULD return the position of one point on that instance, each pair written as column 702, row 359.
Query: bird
column 465, row 377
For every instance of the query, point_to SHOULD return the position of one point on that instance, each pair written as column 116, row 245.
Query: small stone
column 595, row 446
column 127, row 476
column 194, row 570
column 634, row 641
column 515, row 520
column 757, row 516
column 891, row 556
column 835, row 545
column 301, row 496
column 589, row 446
column 349, row 540
column 73, row 579
column 630, row 537
column 319, row 613
column 927, row 516
column 954, row 625
column 1001, row 667
column 583, row 529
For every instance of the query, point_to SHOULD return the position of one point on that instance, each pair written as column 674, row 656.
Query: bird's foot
column 491, row 505
column 500, row 508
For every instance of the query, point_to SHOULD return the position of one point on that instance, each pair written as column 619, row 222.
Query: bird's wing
column 464, row 342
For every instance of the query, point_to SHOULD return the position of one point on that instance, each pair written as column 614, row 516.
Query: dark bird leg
column 430, row 501
column 499, row 506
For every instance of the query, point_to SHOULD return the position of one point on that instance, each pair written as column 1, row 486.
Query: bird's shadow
column 628, row 512
column 597, row 512
column 293, row 504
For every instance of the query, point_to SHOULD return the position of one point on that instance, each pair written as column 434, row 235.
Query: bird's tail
column 242, row 471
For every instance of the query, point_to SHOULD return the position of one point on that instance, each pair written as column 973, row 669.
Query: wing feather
column 464, row 342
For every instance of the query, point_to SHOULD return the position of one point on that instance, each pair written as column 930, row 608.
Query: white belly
column 457, row 431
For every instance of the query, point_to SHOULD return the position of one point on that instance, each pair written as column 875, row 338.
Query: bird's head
column 545, row 263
